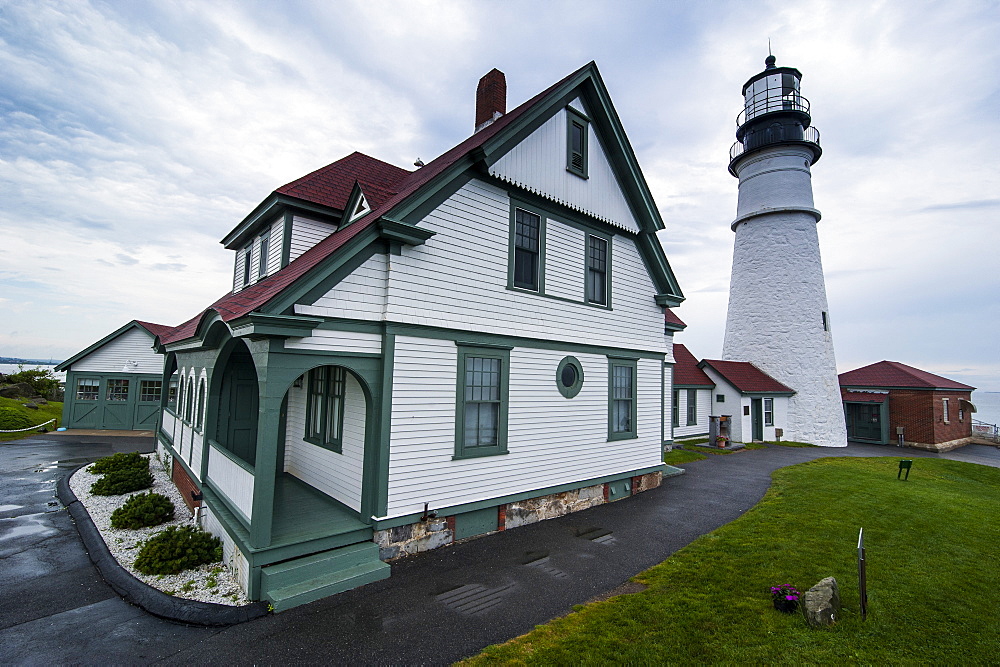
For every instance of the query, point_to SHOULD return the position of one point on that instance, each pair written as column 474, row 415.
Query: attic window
column 360, row 209
column 246, row 265
column 576, row 142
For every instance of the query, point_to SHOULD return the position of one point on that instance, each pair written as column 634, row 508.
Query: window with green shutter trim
column 621, row 399
column 692, row 407
column 326, row 387
column 247, row 253
column 527, row 249
column 597, row 270
column 675, row 408
column 262, row 257
column 576, row 142
column 481, row 401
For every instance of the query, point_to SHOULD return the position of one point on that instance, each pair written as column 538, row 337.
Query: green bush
column 143, row 510
column 131, row 461
column 41, row 379
column 176, row 549
column 122, row 481
column 12, row 418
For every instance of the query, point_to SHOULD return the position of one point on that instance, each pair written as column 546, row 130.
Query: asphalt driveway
column 435, row 608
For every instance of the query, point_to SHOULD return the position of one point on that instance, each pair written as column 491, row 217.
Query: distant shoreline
column 39, row 362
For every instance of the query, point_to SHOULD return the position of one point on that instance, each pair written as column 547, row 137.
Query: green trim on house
column 66, row 365
column 286, row 238
column 569, row 391
column 691, row 400
column 632, row 365
column 403, row 232
column 577, row 161
column 334, row 386
column 441, row 333
column 275, row 205
column 261, row 325
column 608, row 268
column 324, row 276
column 356, row 196
column 448, row 510
column 465, row 395
column 264, row 249
column 540, row 267
column 375, row 465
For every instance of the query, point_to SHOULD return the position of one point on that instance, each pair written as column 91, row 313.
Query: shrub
column 143, row 510
column 12, row 418
column 133, row 460
column 176, row 549
column 41, row 379
column 118, row 482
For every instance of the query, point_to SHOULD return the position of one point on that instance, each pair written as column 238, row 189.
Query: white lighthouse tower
column 778, row 315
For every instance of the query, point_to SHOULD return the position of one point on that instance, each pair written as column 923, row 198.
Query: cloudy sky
column 134, row 135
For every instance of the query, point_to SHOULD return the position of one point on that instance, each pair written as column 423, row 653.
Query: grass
column 791, row 443
column 677, row 456
column 932, row 577
column 42, row 414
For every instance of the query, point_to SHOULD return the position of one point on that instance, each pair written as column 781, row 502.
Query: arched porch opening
column 238, row 403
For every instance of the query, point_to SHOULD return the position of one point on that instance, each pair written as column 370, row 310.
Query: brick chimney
column 491, row 98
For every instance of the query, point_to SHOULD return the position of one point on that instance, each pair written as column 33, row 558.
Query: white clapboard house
column 408, row 358
column 116, row 383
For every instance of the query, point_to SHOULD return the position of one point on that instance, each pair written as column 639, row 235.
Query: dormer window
column 360, row 209
column 247, row 253
column 262, row 257
column 576, row 142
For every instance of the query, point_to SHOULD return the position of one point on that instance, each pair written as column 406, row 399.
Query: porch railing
column 231, row 478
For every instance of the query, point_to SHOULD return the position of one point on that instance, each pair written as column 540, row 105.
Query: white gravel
column 208, row 583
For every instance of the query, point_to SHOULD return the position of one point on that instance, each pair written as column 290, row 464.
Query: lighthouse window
column 826, row 322
column 576, row 142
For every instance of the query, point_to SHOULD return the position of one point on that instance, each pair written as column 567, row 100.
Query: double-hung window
column 597, row 270
column 621, row 399
column 325, row 407
column 675, row 408
column 692, row 407
column 527, row 245
column 481, row 406
column 768, row 412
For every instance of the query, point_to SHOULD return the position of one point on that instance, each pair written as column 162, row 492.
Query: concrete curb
column 133, row 591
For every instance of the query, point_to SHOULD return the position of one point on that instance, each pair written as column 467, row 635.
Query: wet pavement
column 435, row 608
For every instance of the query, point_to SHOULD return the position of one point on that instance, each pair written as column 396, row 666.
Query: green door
column 237, row 430
column 147, row 404
column 864, row 421
column 119, row 404
column 84, row 399
column 757, row 419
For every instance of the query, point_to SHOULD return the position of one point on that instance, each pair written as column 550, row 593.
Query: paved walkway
column 435, row 608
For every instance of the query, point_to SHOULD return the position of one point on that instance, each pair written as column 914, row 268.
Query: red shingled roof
column 686, row 369
column 894, row 374
column 670, row 318
column 329, row 183
column 746, row 377
column 155, row 329
column 863, row 397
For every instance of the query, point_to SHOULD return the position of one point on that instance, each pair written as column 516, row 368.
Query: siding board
column 133, row 345
column 306, row 233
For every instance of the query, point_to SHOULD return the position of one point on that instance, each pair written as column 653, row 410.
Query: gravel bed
column 124, row 544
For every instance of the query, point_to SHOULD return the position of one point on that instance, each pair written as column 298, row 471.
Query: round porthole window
column 569, row 377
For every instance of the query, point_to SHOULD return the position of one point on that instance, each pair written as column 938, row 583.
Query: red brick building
column 887, row 399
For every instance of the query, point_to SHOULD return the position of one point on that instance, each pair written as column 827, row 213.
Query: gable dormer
column 357, row 206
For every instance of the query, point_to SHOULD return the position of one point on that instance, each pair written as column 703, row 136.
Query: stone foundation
column 940, row 446
column 440, row 531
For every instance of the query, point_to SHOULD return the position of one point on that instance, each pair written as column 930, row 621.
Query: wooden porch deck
column 302, row 514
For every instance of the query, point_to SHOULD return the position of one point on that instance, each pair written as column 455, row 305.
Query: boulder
column 19, row 390
column 821, row 603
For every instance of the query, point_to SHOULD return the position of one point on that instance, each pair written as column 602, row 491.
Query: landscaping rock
column 19, row 390
column 821, row 603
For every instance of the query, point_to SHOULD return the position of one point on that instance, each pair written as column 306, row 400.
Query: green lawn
column 677, row 456
column 932, row 577
column 43, row 413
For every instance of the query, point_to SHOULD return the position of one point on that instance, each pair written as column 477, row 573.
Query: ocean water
column 12, row 368
column 987, row 406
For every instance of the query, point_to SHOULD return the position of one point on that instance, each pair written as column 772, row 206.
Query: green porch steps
column 303, row 580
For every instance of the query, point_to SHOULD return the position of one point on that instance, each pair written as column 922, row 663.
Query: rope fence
column 30, row 428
